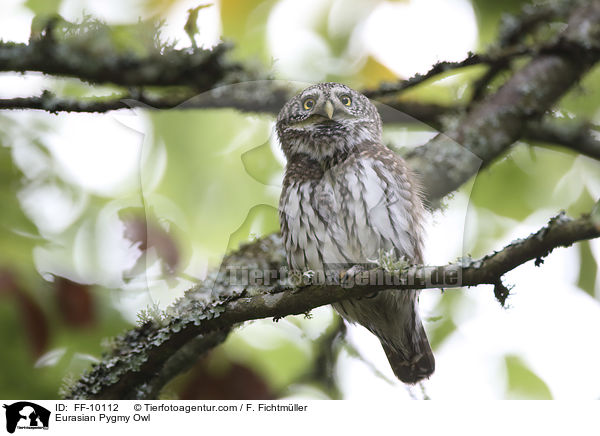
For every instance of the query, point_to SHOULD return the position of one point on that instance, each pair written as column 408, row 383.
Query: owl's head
column 326, row 119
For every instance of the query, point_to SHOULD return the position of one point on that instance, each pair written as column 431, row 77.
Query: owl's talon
column 348, row 276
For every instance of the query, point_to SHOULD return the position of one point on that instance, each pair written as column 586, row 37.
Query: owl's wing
column 308, row 215
column 382, row 210
column 329, row 231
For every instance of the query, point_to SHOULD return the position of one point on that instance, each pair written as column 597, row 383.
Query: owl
column 346, row 200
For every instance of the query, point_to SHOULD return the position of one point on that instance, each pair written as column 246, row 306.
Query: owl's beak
column 329, row 109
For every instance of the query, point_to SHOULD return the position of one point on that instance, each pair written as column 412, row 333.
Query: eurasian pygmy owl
column 347, row 199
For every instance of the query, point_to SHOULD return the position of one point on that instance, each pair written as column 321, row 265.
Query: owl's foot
column 348, row 275
column 348, row 278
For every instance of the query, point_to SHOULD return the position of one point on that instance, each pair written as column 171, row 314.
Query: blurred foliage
column 142, row 38
column 489, row 16
column 245, row 22
column 43, row 7
column 523, row 383
column 208, row 181
column 584, row 99
column 442, row 326
column 588, row 269
column 216, row 184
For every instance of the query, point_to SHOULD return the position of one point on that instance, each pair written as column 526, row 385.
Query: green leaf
column 596, row 214
column 442, row 325
column 17, row 233
column 588, row 269
column 522, row 382
column 261, row 220
column 373, row 73
column 43, row 7
column 191, row 24
column 516, row 186
column 446, row 88
column 584, row 99
column 245, row 22
column 440, row 331
column 262, row 165
column 488, row 17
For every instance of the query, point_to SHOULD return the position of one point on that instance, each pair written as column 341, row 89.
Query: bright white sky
column 552, row 324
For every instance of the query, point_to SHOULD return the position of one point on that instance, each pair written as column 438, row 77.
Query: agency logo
column 26, row 415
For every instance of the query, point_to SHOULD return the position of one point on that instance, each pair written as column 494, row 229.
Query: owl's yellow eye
column 308, row 104
column 346, row 101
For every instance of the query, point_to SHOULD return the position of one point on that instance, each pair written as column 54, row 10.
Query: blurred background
column 105, row 215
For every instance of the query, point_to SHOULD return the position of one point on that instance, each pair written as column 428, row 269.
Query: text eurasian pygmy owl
column 347, row 198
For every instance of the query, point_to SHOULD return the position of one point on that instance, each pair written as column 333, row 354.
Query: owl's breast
column 350, row 215
column 312, row 236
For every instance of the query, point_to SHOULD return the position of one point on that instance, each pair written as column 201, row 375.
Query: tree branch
column 502, row 56
column 256, row 97
column 495, row 123
column 198, row 68
column 131, row 372
column 580, row 137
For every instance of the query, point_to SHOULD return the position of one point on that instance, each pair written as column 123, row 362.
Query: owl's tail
column 413, row 363
column 393, row 317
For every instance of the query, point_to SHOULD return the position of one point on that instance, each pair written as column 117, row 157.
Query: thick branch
column 493, row 125
column 200, row 69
